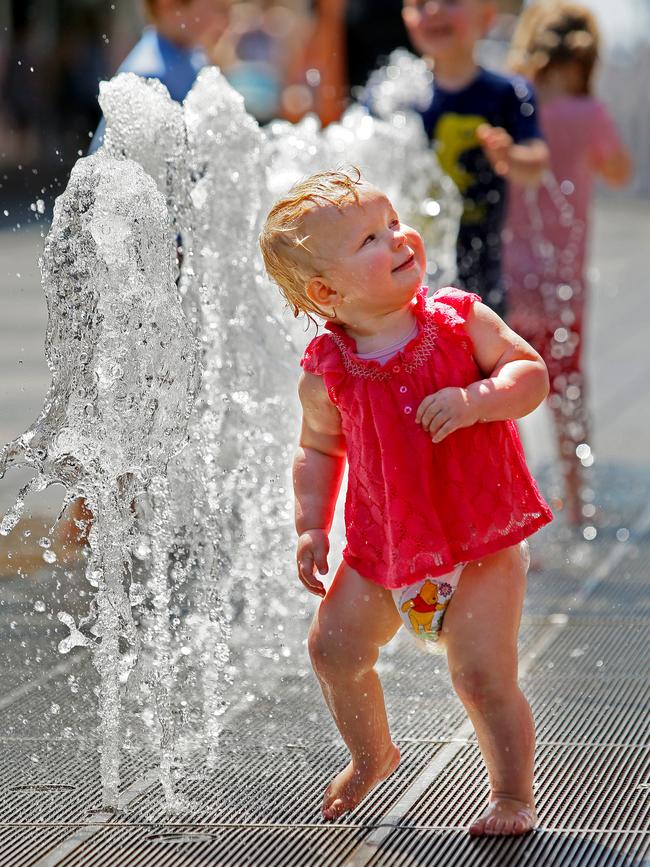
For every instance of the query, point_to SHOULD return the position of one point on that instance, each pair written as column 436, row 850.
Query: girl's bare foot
column 350, row 787
column 504, row 817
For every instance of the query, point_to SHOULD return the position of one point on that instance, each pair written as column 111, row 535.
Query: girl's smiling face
column 368, row 264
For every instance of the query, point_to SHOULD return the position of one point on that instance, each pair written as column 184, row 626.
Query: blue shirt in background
column 451, row 121
column 154, row 56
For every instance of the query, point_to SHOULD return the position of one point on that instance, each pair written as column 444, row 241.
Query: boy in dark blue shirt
column 484, row 129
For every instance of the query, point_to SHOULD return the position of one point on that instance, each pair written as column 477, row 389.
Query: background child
column 556, row 45
column 176, row 45
column 415, row 394
column 484, row 129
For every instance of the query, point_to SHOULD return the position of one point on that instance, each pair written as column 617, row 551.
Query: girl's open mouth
column 405, row 265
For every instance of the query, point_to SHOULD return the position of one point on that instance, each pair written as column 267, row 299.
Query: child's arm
column 317, row 471
column 524, row 163
column 616, row 170
column 516, row 380
column 609, row 157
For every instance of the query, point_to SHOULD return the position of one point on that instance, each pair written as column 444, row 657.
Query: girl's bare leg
column 354, row 620
column 480, row 632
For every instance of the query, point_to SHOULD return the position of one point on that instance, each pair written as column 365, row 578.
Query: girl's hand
column 446, row 411
column 311, row 554
column 496, row 143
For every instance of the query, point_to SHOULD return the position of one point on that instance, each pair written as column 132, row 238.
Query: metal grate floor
column 259, row 806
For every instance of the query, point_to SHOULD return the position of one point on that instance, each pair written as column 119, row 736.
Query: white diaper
column 422, row 605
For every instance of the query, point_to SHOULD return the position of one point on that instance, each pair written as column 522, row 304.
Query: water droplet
column 623, row 534
column 142, row 549
column 590, row 533
column 39, row 605
column 559, row 619
column 44, row 542
column 49, row 556
column 431, row 208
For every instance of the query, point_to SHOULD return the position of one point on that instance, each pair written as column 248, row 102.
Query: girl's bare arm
column 317, row 472
column 516, row 377
column 516, row 380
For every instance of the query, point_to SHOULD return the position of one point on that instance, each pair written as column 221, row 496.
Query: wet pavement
column 583, row 666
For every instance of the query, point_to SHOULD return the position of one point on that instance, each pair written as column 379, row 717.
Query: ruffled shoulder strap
column 450, row 306
column 322, row 356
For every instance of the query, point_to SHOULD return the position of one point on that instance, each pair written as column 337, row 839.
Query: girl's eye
column 369, row 238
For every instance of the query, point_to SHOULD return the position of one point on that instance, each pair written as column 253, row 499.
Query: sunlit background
column 53, row 53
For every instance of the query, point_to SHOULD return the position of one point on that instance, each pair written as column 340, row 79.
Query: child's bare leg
column 572, row 474
column 354, row 620
column 480, row 631
column 572, row 428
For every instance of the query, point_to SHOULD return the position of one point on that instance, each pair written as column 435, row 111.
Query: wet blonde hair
column 287, row 253
column 551, row 33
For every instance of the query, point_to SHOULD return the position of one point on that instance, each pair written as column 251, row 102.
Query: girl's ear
column 321, row 293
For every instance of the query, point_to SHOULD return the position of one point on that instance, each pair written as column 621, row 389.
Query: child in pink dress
column 418, row 395
column 545, row 240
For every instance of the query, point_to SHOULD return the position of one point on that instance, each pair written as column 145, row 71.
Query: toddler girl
column 556, row 46
column 418, row 396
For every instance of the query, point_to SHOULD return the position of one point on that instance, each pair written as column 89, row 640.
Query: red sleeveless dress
column 415, row 508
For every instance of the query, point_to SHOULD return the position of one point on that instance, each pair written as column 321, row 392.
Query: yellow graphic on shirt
column 454, row 135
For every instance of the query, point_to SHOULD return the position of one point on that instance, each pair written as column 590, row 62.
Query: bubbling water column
column 222, row 490
column 125, row 374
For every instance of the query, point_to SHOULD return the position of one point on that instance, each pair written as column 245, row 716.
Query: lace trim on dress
column 508, row 530
column 407, row 361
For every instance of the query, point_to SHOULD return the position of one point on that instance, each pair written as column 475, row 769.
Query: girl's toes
column 477, row 828
column 334, row 810
column 526, row 821
column 504, row 817
column 519, row 825
column 494, row 826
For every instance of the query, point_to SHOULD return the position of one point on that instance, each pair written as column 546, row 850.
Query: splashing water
column 124, row 369
column 180, row 192
column 240, row 414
